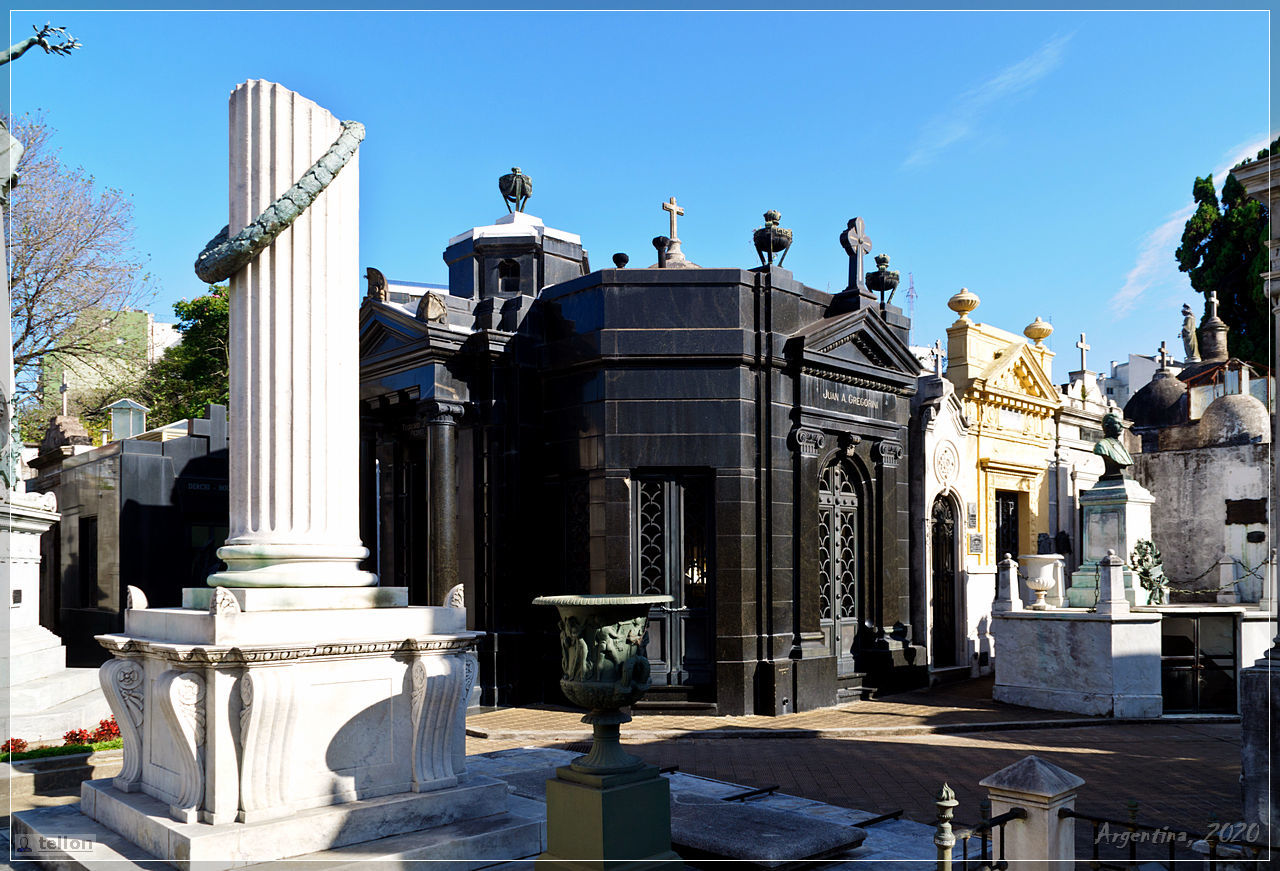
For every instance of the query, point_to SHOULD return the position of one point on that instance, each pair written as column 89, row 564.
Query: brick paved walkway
column 962, row 707
column 895, row 753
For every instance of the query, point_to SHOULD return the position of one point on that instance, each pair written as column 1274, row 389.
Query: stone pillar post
column 1041, row 841
column 1227, row 592
column 1111, row 598
column 1008, row 598
column 294, row 471
column 442, row 438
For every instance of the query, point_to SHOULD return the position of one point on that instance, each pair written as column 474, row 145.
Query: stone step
column 29, row 638
column 33, row 664
column 77, row 843
column 57, row 773
column 79, row 712
column 44, row 693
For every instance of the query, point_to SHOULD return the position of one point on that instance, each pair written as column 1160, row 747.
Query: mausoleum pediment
column 1017, row 371
column 857, row 340
column 386, row 329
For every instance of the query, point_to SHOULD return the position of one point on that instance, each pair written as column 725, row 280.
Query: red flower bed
column 107, row 729
column 13, row 745
column 76, row 736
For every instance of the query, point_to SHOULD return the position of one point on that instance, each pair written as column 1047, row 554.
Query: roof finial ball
column 963, row 303
column 1038, row 331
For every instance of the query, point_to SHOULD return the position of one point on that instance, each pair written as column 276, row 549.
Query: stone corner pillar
column 294, row 441
column 1042, row 840
column 1111, row 597
column 1008, row 597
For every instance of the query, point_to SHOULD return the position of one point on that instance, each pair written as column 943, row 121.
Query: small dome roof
column 1160, row 403
column 1235, row 419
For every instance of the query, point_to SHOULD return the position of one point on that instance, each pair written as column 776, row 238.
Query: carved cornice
column 244, row 655
column 857, row 381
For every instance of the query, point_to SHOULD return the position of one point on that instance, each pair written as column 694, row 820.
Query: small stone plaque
column 975, row 544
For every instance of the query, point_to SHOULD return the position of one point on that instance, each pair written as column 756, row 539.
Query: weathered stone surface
column 709, row 826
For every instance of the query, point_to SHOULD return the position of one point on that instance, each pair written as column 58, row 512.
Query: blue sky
column 1043, row 160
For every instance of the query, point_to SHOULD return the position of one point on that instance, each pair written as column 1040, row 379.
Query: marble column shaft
column 294, row 470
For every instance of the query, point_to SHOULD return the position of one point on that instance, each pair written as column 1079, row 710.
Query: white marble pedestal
column 253, row 735
column 1117, row 514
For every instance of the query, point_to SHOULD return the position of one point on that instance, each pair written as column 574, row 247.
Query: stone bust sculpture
column 1115, row 457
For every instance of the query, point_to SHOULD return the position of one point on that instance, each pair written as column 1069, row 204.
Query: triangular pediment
column 1017, row 370
column 857, row 339
column 386, row 329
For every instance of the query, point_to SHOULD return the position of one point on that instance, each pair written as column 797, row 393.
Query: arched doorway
column 943, row 547
column 841, row 557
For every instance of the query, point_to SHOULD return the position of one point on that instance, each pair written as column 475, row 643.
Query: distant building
column 1131, row 376
column 148, row 511
column 124, row 343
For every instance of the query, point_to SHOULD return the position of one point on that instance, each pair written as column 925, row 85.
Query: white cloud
column 1155, row 265
column 959, row 120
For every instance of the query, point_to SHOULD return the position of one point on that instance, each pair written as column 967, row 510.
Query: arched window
column 509, row 277
column 942, row 560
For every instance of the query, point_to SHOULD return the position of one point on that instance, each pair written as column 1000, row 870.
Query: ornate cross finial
column 670, row 206
column 856, row 244
column 1164, row 356
column 938, row 357
column 1083, row 347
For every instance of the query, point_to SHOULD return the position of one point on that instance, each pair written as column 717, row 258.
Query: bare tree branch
column 73, row 271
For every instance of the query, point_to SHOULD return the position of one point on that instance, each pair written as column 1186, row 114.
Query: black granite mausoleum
column 732, row 437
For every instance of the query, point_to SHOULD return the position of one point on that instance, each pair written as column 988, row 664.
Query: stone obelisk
column 294, row 357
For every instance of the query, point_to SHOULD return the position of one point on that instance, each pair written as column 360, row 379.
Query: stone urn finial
column 604, row 668
column 963, row 303
column 883, row 281
column 1037, row 331
column 516, row 188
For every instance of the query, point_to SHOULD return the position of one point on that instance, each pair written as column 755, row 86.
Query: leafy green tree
column 194, row 372
column 1224, row 249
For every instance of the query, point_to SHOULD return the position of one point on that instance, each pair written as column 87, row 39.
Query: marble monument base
column 597, row 822
column 253, row 735
column 1097, row 664
column 1117, row 515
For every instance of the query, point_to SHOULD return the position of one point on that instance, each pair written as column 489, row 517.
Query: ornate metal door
column 1006, row 524
column 840, row 555
column 942, row 577
column 673, row 556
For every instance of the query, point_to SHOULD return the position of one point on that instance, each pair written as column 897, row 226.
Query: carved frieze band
column 267, row 714
column 181, row 654
column 436, row 693
column 121, row 681
column 856, row 381
column 181, row 696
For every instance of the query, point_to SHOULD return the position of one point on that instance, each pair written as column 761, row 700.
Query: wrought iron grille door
column 840, row 555
column 942, row 559
column 672, row 534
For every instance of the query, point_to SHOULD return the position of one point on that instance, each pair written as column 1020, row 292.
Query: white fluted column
column 294, row 430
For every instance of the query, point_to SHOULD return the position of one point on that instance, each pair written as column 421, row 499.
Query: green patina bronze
column 45, row 38
column 516, row 189
column 224, row 257
column 604, row 668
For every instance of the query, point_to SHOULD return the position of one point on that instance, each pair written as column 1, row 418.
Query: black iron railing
column 988, row 858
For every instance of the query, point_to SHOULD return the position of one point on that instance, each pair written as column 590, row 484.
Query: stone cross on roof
column 857, row 244
column 670, row 206
column 1164, row 356
column 1083, row 347
column 938, row 357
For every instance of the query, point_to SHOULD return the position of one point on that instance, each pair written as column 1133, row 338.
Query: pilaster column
column 294, row 471
column 442, row 438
